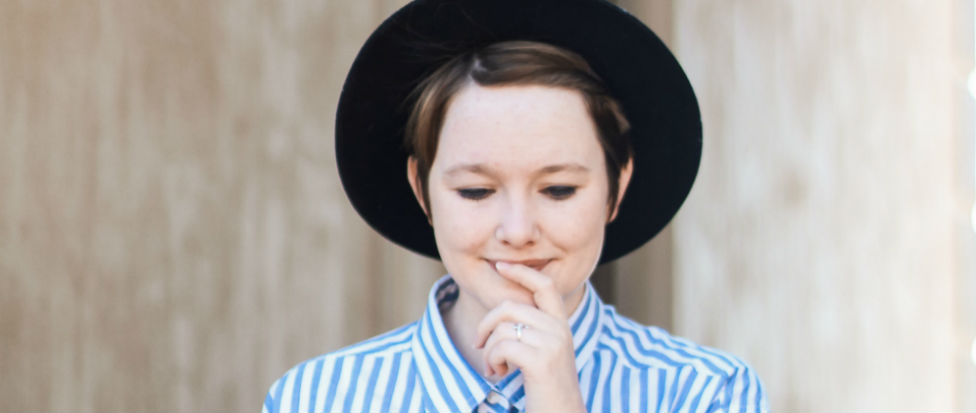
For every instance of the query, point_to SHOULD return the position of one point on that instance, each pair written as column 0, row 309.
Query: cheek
column 578, row 226
column 459, row 225
column 579, row 234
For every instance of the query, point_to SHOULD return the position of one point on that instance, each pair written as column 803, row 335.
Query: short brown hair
column 516, row 63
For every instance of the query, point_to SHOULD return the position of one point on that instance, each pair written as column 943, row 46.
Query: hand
column 545, row 351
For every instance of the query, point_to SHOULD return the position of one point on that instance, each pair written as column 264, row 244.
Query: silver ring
column 518, row 331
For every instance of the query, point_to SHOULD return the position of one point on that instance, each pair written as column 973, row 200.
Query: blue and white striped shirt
column 623, row 366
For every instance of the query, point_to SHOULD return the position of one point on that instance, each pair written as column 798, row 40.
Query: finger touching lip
column 537, row 265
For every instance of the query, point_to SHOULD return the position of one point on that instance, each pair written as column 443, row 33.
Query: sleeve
column 271, row 404
column 743, row 392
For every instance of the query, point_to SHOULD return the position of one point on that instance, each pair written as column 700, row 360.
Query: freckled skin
column 519, row 177
column 515, row 131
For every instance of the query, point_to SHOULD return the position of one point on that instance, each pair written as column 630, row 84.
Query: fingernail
column 503, row 265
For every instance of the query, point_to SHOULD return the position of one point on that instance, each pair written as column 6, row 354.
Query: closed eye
column 559, row 192
column 475, row 193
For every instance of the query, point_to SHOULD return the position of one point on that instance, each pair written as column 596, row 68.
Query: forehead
column 511, row 124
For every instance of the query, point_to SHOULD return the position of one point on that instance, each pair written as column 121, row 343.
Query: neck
column 461, row 322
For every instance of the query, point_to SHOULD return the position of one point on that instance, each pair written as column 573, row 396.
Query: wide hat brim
column 636, row 66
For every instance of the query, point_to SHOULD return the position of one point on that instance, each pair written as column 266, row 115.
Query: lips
column 537, row 264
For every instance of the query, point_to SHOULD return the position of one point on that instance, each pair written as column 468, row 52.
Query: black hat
column 636, row 67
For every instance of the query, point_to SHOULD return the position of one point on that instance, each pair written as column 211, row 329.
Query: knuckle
column 551, row 347
column 506, row 346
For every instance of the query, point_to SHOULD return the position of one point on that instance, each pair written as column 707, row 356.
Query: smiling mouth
column 537, row 265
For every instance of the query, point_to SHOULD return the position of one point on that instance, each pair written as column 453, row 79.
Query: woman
column 525, row 166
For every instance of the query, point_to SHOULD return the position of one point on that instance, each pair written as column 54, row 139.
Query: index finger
column 542, row 287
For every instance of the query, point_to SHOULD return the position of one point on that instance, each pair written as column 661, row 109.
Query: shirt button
column 494, row 397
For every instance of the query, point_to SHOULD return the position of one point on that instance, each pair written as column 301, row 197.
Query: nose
column 518, row 226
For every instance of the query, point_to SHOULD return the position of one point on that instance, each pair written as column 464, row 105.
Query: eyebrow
column 480, row 169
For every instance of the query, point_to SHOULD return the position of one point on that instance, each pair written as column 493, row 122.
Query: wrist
column 548, row 394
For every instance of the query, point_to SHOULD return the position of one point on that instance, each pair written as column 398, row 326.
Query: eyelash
column 556, row 192
column 475, row 194
column 560, row 192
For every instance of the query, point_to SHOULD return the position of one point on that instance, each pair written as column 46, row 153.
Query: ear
column 625, row 173
column 415, row 185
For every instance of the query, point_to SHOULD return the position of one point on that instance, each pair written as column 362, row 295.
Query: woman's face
column 519, row 176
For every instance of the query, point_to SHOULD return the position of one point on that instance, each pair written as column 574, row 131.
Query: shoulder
column 334, row 380
column 734, row 385
column 648, row 346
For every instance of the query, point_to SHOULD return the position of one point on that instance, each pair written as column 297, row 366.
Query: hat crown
column 638, row 69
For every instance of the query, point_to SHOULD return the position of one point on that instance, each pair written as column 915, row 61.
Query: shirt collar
column 453, row 385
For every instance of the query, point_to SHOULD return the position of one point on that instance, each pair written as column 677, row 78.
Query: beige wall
column 827, row 239
column 173, row 235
